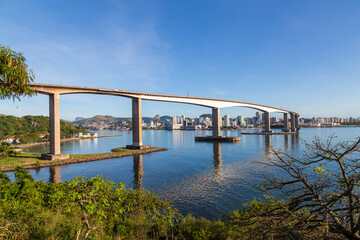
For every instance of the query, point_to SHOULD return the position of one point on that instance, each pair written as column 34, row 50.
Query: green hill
column 28, row 128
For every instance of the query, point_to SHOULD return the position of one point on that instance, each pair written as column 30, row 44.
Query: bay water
column 202, row 178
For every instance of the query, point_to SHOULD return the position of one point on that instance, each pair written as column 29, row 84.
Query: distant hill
column 110, row 120
column 97, row 119
column 78, row 119
column 206, row 115
column 164, row 118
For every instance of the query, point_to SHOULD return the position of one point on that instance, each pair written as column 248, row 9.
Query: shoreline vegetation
column 33, row 161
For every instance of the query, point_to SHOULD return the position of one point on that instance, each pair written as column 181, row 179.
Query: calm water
column 204, row 179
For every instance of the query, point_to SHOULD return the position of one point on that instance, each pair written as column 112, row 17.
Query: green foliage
column 27, row 129
column 94, row 208
column 5, row 150
column 199, row 229
column 14, row 75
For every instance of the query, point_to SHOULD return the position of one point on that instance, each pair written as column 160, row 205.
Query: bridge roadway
column 54, row 92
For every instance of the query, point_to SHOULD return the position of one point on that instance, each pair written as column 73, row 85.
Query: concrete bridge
column 54, row 92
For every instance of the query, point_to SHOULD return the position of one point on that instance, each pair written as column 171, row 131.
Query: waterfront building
column 234, row 122
column 227, row 121
column 273, row 119
column 248, row 121
column 241, row 121
column 182, row 119
column 207, row 121
column 201, row 120
column 256, row 120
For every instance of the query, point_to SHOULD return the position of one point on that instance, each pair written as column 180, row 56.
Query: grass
column 33, row 160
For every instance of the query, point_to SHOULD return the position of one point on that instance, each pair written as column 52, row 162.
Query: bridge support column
column 267, row 122
column 292, row 117
column 137, row 125
column 54, row 117
column 216, row 122
column 286, row 123
column 216, row 137
column 297, row 123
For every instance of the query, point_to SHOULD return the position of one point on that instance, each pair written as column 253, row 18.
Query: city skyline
column 298, row 56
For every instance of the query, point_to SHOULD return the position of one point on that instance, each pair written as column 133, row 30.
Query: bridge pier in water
column 267, row 128
column 54, row 121
column 286, row 123
column 292, row 122
column 216, row 122
column 297, row 123
column 137, row 125
column 216, row 137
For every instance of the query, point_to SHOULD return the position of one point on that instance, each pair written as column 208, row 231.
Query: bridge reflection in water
column 138, row 171
column 55, row 174
column 294, row 143
column 138, row 168
column 217, row 160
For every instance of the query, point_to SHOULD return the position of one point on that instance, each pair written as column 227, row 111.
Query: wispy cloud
column 122, row 55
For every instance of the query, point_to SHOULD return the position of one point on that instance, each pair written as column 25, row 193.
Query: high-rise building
column 262, row 118
column 248, row 121
column 256, row 120
column 182, row 119
column 234, row 123
column 241, row 121
column 227, row 121
column 273, row 119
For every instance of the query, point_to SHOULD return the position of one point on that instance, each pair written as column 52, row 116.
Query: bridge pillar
column 267, row 122
column 216, row 122
column 216, row 137
column 297, row 122
column 286, row 123
column 54, row 111
column 137, row 125
column 293, row 128
column 54, row 118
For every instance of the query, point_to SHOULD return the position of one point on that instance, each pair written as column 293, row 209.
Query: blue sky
column 298, row 55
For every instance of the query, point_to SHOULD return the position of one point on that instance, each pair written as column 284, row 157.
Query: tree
column 320, row 190
column 5, row 150
column 14, row 75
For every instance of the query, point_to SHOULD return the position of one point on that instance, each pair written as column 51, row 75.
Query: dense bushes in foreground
column 81, row 208
column 97, row 208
